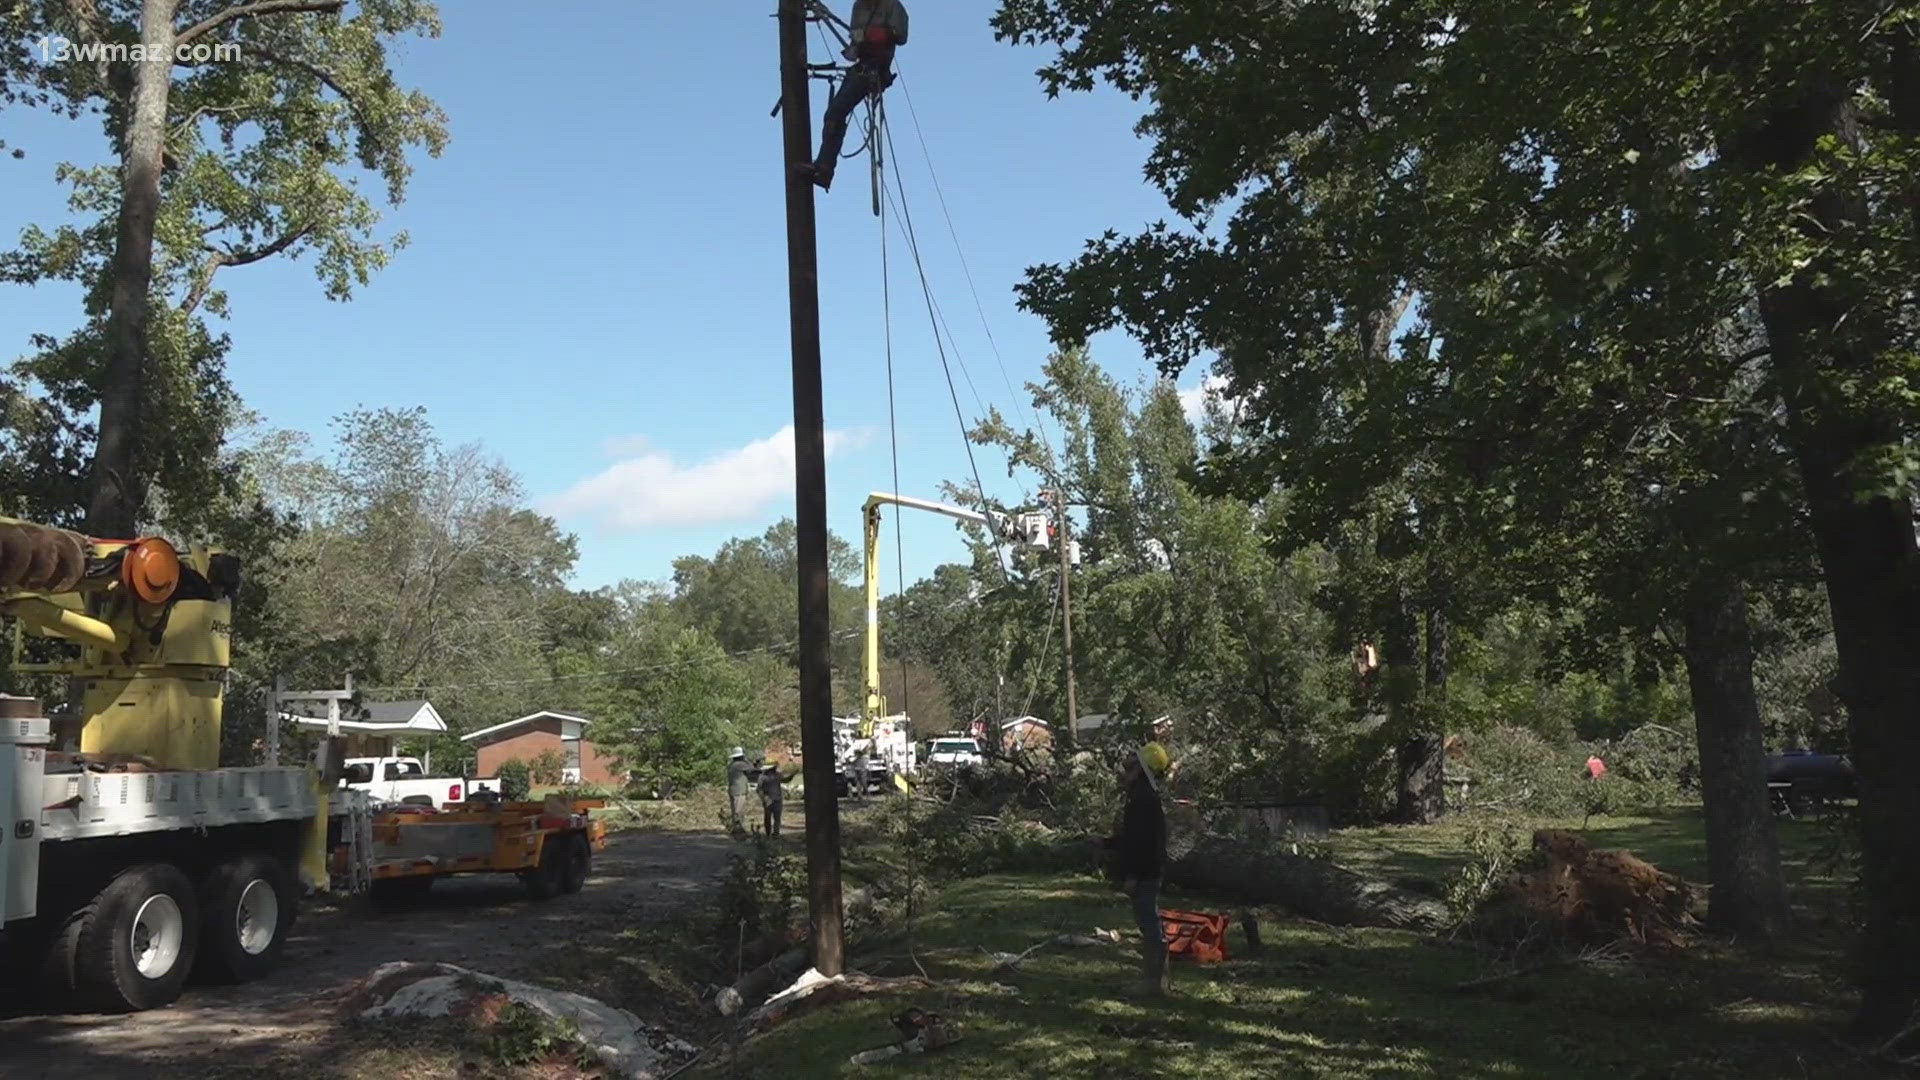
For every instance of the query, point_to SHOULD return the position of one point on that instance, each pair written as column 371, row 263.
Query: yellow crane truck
column 129, row 860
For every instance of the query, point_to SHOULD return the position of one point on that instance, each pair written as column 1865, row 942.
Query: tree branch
column 87, row 23
column 203, row 283
column 247, row 11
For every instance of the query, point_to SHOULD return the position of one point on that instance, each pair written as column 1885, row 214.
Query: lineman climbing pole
column 810, row 500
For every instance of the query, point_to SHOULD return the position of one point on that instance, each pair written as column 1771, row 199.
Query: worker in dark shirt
column 1139, row 854
column 879, row 27
column 772, row 798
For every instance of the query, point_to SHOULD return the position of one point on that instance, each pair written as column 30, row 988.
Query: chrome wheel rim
column 256, row 919
column 159, row 930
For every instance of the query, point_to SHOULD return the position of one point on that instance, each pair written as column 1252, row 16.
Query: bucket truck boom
column 1013, row 528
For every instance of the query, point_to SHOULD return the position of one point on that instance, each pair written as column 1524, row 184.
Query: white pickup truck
column 955, row 752
column 404, row 779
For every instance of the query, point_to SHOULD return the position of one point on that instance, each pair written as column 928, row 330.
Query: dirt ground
column 484, row 923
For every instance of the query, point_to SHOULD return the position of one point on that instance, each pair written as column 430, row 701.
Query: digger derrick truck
column 128, row 858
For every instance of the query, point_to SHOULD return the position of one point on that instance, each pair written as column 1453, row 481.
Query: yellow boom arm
column 999, row 524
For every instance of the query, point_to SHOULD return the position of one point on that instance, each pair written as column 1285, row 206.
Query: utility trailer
column 549, row 845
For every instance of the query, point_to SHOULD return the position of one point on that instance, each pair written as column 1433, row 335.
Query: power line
column 913, row 246
column 893, row 442
column 606, row 673
column 979, row 308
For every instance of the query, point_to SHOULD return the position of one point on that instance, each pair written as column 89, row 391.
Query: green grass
column 1331, row 1002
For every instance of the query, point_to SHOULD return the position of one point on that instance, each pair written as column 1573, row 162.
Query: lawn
column 1330, row 1002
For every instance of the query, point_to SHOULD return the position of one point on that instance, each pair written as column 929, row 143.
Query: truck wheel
column 249, row 905
column 137, row 945
column 398, row 894
column 549, row 878
column 579, row 863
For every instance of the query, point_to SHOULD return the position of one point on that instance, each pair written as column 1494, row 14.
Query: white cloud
column 1193, row 400
column 647, row 487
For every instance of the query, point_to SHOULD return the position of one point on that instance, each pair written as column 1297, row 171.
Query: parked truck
column 405, row 780
column 128, row 859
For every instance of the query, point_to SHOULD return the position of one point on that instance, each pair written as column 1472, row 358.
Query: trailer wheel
column 579, row 862
column 249, row 905
column 399, row 894
column 136, row 944
column 549, row 878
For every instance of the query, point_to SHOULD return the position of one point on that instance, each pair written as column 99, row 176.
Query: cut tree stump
column 1314, row 888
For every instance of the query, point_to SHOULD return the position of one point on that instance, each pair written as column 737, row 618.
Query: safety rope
column 905, row 215
column 959, row 250
column 893, row 442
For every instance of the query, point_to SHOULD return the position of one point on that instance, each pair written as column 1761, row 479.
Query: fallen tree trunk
column 755, row 985
column 1314, row 888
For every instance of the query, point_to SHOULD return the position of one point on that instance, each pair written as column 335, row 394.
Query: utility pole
column 1066, row 613
column 810, row 500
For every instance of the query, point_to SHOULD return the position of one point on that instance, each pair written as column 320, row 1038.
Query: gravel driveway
column 485, row 923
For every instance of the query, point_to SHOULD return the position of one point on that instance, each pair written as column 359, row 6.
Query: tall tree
column 225, row 160
column 1384, row 149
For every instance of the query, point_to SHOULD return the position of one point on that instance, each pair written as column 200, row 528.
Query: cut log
column 755, row 985
column 1314, row 888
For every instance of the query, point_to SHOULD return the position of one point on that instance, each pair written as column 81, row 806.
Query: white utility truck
column 127, row 857
column 405, row 780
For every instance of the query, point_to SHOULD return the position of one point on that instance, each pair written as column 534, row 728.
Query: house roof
column 1018, row 720
column 383, row 718
column 524, row 721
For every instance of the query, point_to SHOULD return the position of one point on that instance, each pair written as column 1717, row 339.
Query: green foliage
column 546, row 768
column 266, row 156
column 672, row 701
column 523, row 1035
column 1494, row 851
column 1514, row 770
column 761, row 904
column 516, row 779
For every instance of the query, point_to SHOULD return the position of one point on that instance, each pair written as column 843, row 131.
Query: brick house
column 534, row 734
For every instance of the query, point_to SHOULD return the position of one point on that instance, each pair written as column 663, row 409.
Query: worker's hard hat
column 739, row 751
column 1154, row 758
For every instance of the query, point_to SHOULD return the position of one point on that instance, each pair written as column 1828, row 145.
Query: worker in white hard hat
column 739, row 777
column 1139, row 852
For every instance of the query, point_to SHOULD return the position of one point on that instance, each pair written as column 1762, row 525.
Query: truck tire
column 248, row 906
column 137, row 940
column 578, row 864
column 398, row 894
column 548, row 879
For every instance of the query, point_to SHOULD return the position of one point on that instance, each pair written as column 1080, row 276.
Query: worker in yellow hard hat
column 1139, row 852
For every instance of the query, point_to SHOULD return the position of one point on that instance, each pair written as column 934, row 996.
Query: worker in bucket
column 878, row 28
column 739, row 773
column 1139, row 855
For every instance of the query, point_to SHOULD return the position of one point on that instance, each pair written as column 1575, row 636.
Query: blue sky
column 596, row 286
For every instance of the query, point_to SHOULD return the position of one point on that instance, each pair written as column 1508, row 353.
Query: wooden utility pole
column 810, row 500
column 1066, row 614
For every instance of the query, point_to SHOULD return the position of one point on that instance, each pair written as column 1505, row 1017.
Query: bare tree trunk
column 116, row 482
column 1868, row 554
column 1743, row 854
column 1420, row 776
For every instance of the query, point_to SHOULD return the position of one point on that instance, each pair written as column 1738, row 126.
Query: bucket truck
column 1024, row 529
